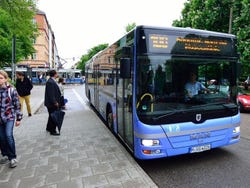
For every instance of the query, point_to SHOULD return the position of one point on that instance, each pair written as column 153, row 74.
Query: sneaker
column 13, row 163
column 4, row 160
column 30, row 114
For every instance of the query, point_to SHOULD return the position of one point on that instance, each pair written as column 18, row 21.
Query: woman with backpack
column 10, row 115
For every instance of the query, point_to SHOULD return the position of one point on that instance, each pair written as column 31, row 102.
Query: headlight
column 236, row 129
column 150, row 142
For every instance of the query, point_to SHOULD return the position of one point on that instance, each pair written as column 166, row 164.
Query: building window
column 33, row 56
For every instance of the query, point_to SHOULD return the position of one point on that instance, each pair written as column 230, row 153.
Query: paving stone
column 36, row 162
column 10, row 184
column 89, row 162
column 120, row 165
column 80, row 172
column 49, row 153
column 46, row 169
column 95, row 181
column 76, row 183
column 67, row 166
column 117, row 176
column 118, row 185
column 138, row 183
column 102, row 168
column 5, row 174
column 22, row 173
column 32, row 182
column 57, row 159
column 107, row 158
column 57, row 177
column 77, row 156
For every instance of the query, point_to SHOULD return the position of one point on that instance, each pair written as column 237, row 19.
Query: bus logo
column 198, row 117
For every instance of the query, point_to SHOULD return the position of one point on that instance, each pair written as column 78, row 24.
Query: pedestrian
column 62, row 101
column 10, row 114
column 40, row 78
column 52, row 100
column 24, row 87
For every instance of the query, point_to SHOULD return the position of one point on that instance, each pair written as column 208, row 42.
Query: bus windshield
column 165, row 92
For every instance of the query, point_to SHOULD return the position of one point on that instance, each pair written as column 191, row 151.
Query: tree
column 130, row 27
column 16, row 19
column 205, row 14
column 5, row 38
column 215, row 15
column 242, row 23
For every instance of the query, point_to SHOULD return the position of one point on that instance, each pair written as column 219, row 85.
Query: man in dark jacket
column 23, row 87
column 52, row 100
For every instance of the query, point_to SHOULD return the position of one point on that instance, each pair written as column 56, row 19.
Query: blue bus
column 40, row 75
column 137, row 85
column 71, row 76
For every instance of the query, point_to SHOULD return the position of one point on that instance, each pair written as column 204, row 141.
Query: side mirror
column 125, row 68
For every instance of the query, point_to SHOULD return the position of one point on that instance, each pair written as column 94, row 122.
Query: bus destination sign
column 192, row 44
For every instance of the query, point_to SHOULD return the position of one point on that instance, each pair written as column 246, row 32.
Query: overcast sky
column 80, row 25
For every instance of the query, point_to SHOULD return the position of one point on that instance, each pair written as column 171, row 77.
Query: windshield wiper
column 169, row 114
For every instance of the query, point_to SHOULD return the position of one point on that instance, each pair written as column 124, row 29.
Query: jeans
column 7, row 142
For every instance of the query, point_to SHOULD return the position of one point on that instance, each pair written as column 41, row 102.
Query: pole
column 231, row 17
column 13, row 59
column 230, row 20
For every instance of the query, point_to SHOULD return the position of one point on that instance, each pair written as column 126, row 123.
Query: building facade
column 46, row 54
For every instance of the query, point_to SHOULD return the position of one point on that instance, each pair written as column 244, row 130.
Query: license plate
column 200, row 148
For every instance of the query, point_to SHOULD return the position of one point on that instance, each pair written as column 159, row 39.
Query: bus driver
column 192, row 87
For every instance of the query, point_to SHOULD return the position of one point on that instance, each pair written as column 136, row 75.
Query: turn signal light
column 148, row 152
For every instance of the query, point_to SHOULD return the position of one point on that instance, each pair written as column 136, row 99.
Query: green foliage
column 16, row 19
column 214, row 15
column 5, row 37
column 242, row 23
column 130, row 27
column 89, row 55
column 205, row 14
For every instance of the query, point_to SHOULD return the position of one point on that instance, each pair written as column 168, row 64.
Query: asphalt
column 86, row 154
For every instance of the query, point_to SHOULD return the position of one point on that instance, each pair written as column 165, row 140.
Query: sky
column 80, row 25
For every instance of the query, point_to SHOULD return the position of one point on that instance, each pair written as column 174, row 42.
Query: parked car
column 243, row 100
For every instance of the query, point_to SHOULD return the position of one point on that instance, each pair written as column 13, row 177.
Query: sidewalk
column 86, row 154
